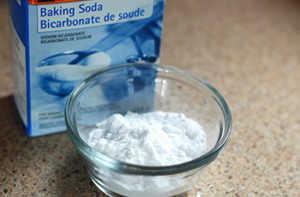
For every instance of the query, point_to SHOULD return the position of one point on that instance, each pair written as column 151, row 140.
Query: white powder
column 70, row 72
column 153, row 139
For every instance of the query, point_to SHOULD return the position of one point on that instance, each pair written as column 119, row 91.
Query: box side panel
column 19, row 51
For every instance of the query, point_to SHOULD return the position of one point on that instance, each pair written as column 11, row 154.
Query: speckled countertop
column 249, row 50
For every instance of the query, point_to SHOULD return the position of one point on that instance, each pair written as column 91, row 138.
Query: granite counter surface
column 249, row 50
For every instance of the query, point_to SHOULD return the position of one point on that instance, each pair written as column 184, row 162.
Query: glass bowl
column 143, row 88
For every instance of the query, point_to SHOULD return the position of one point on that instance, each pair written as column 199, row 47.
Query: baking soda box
column 58, row 43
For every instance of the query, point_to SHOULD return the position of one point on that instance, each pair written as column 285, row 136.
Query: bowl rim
column 128, row 168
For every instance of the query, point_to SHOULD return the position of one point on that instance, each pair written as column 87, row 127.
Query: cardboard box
column 57, row 43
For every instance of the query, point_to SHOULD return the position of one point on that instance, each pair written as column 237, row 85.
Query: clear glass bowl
column 143, row 88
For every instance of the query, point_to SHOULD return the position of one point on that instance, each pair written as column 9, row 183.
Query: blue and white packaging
column 58, row 43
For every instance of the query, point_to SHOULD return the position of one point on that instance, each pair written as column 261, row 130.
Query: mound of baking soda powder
column 151, row 139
